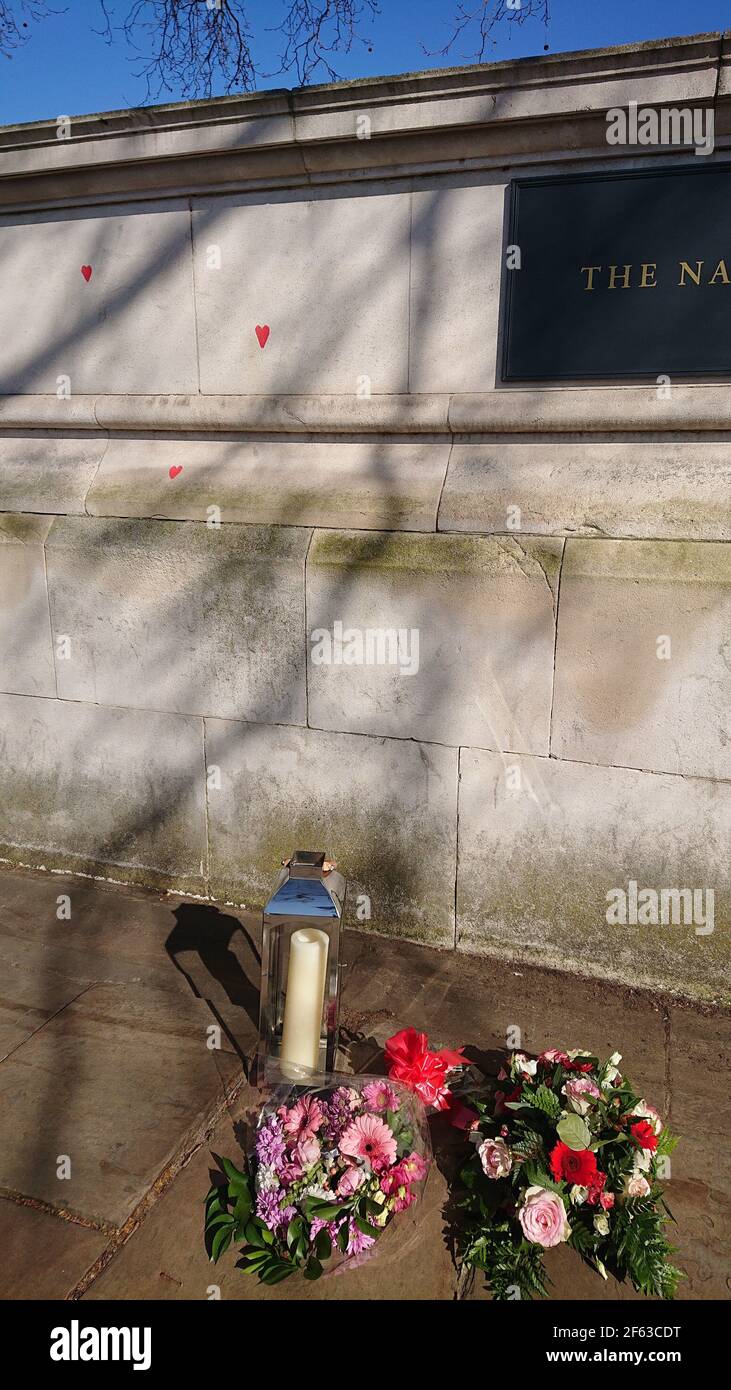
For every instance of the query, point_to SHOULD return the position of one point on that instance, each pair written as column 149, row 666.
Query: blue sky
column 66, row 68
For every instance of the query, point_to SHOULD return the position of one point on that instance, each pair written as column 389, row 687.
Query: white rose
column 601, row 1223
column 636, row 1186
column 495, row 1158
column 525, row 1067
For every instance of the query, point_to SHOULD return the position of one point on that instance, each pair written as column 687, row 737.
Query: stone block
column 542, row 843
column 327, row 275
column 116, row 1082
column 643, row 659
column 47, row 472
column 43, row 1256
column 482, row 613
column 456, row 258
column 181, row 617
column 655, row 489
column 385, row 810
column 85, row 787
column 26, row 652
column 129, row 327
column 379, row 484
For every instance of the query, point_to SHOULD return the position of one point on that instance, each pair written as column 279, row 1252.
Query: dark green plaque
column 621, row 276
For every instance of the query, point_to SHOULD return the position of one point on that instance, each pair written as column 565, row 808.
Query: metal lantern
column 298, row 1019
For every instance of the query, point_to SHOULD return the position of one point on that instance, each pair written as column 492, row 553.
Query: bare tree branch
column 193, row 48
column 477, row 22
column 312, row 31
column 16, row 18
column 186, row 47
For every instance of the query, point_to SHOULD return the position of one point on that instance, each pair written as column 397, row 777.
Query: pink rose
column 543, row 1217
column 495, row 1158
column 580, row 1092
column 350, row 1181
column 637, row 1186
column 307, row 1151
column 552, row 1055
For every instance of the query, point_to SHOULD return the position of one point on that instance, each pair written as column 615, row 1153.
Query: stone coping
column 434, row 119
column 595, row 410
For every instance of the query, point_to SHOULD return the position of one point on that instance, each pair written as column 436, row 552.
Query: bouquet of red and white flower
column 566, row 1151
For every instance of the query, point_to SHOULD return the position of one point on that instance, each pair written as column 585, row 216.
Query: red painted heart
column 176, row 468
column 86, row 272
column 262, row 333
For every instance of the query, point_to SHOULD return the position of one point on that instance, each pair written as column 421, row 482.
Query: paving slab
column 491, row 1006
column 113, row 1084
column 68, row 1251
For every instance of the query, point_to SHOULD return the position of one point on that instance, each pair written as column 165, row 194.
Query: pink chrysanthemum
column 368, row 1137
column 358, row 1242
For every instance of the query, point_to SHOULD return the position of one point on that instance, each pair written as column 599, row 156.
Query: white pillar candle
column 305, row 997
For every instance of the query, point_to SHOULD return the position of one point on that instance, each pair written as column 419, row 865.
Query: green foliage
column 574, row 1132
column 229, row 1207
column 546, row 1100
column 512, row 1267
column 640, row 1249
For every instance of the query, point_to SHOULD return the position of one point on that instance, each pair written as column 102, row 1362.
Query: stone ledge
column 554, row 410
column 421, row 118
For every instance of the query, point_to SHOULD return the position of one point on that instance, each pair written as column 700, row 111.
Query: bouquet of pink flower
column 331, row 1166
column 566, row 1151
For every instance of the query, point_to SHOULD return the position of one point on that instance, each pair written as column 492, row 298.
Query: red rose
column 645, row 1135
column 574, row 1165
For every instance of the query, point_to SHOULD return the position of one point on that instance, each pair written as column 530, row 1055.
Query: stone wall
column 181, row 508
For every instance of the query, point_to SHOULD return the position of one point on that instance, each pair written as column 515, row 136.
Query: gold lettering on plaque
column 588, row 271
column 648, row 281
column 624, row 277
column 695, row 275
column 720, row 272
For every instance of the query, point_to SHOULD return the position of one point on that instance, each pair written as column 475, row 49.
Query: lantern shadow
column 206, row 946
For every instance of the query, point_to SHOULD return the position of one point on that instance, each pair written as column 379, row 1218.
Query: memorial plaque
column 621, row 276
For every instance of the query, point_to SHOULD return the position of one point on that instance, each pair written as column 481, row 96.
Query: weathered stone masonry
column 542, row 754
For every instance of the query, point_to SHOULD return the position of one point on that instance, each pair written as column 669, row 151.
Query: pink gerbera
column 370, row 1138
column 378, row 1095
column 301, row 1121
